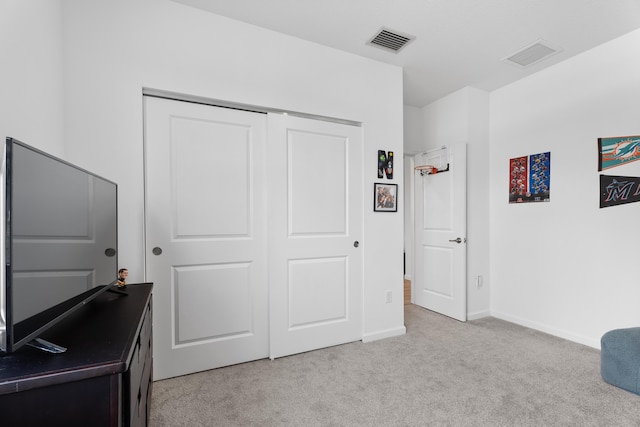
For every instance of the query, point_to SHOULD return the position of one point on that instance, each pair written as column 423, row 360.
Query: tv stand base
column 47, row 346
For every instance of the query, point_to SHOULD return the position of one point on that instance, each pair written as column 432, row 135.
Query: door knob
column 156, row 251
column 458, row 240
column 356, row 244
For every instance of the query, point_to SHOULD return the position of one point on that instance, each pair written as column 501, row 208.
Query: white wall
column 413, row 140
column 115, row 48
column 567, row 267
column 478, row 207
column 31, row 83
column 413, row 130
column 463, row 117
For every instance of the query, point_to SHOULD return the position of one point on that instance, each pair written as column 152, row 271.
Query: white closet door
column 315, row 233
column 206, row 235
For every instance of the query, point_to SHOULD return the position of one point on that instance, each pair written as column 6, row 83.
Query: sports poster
column 530, row 178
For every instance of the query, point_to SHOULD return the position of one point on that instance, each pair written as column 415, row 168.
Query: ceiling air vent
column 532, row 54
column 390, row 40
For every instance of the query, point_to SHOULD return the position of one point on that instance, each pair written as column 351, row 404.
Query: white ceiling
column 458, row 43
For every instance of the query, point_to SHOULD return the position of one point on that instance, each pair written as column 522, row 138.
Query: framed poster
column 530, row 178
column 385, row 197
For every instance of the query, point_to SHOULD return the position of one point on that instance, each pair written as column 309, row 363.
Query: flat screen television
column 60, row 232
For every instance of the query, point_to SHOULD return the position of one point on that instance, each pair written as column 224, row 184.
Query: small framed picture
column 385, row 197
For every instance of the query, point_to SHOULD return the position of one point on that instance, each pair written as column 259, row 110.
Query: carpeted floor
column 443, row 372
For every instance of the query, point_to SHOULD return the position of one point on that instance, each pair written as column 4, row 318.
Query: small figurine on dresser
column 122, row 278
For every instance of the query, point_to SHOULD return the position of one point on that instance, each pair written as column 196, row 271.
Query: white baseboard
column 591, row 342
column 478, row 315
column 387, row 333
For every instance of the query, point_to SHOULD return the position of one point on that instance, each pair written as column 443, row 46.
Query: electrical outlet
column 479, row 281
column 389, row 297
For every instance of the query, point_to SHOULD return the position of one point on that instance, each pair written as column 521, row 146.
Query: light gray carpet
column 441, row 373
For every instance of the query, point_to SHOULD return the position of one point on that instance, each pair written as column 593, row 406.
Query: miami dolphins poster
column 617, row 150
column 530, row 178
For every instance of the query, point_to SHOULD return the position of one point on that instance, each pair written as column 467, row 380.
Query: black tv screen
column 60, row 230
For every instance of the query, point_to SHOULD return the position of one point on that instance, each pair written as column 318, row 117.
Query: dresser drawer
column 138, row 377
column 142, row 348
column 141, row 400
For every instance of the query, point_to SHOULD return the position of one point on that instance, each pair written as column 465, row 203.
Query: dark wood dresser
column 103, row 379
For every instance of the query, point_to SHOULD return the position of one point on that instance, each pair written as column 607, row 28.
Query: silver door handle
column 458, row 240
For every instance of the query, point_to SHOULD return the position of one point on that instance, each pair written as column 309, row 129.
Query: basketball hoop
column 426, row 170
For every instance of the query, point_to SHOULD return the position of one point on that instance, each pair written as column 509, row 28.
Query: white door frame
column 409, row 219
column 176, row 96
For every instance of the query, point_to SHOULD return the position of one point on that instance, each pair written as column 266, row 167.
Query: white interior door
column 206, row 239
column 440, row 230
column 315, row 227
